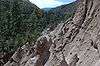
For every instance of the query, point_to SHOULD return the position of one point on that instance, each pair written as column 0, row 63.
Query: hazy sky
column 50, row 3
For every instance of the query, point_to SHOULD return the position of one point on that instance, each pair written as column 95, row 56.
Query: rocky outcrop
column 29, row 55
column 73, row 43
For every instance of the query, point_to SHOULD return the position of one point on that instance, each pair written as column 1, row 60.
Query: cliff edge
column 75, row 42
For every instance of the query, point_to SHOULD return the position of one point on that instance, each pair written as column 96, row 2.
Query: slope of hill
column 64, row 9
column 21, row 22
column 75, row 42
column 59, row 14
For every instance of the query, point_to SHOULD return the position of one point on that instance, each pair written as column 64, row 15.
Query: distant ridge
column 46, row 9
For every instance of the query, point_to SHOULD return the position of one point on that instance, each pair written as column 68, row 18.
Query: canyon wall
column 75, row 42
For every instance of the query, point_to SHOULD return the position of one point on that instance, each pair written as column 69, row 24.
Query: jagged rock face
column 73, row 43
column 32, row 55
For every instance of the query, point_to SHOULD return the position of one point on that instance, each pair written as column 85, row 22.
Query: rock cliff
column 73, row 43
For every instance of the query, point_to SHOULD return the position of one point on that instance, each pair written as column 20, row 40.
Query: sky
column 50, row 3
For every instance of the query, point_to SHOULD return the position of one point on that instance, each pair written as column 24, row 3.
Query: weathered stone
column 73, row 43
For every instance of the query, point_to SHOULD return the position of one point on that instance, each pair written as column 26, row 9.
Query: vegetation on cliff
column 21, row 22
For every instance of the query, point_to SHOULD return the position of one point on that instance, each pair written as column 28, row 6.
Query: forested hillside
column 74, row 42
column 22, row 22
column 60, row 13
column 19, row 23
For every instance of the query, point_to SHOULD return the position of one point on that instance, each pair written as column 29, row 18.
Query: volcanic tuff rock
column 73, row 43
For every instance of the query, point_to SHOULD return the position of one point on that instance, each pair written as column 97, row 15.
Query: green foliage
column 59, row 14
column 17, row 28
column 22, row 22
